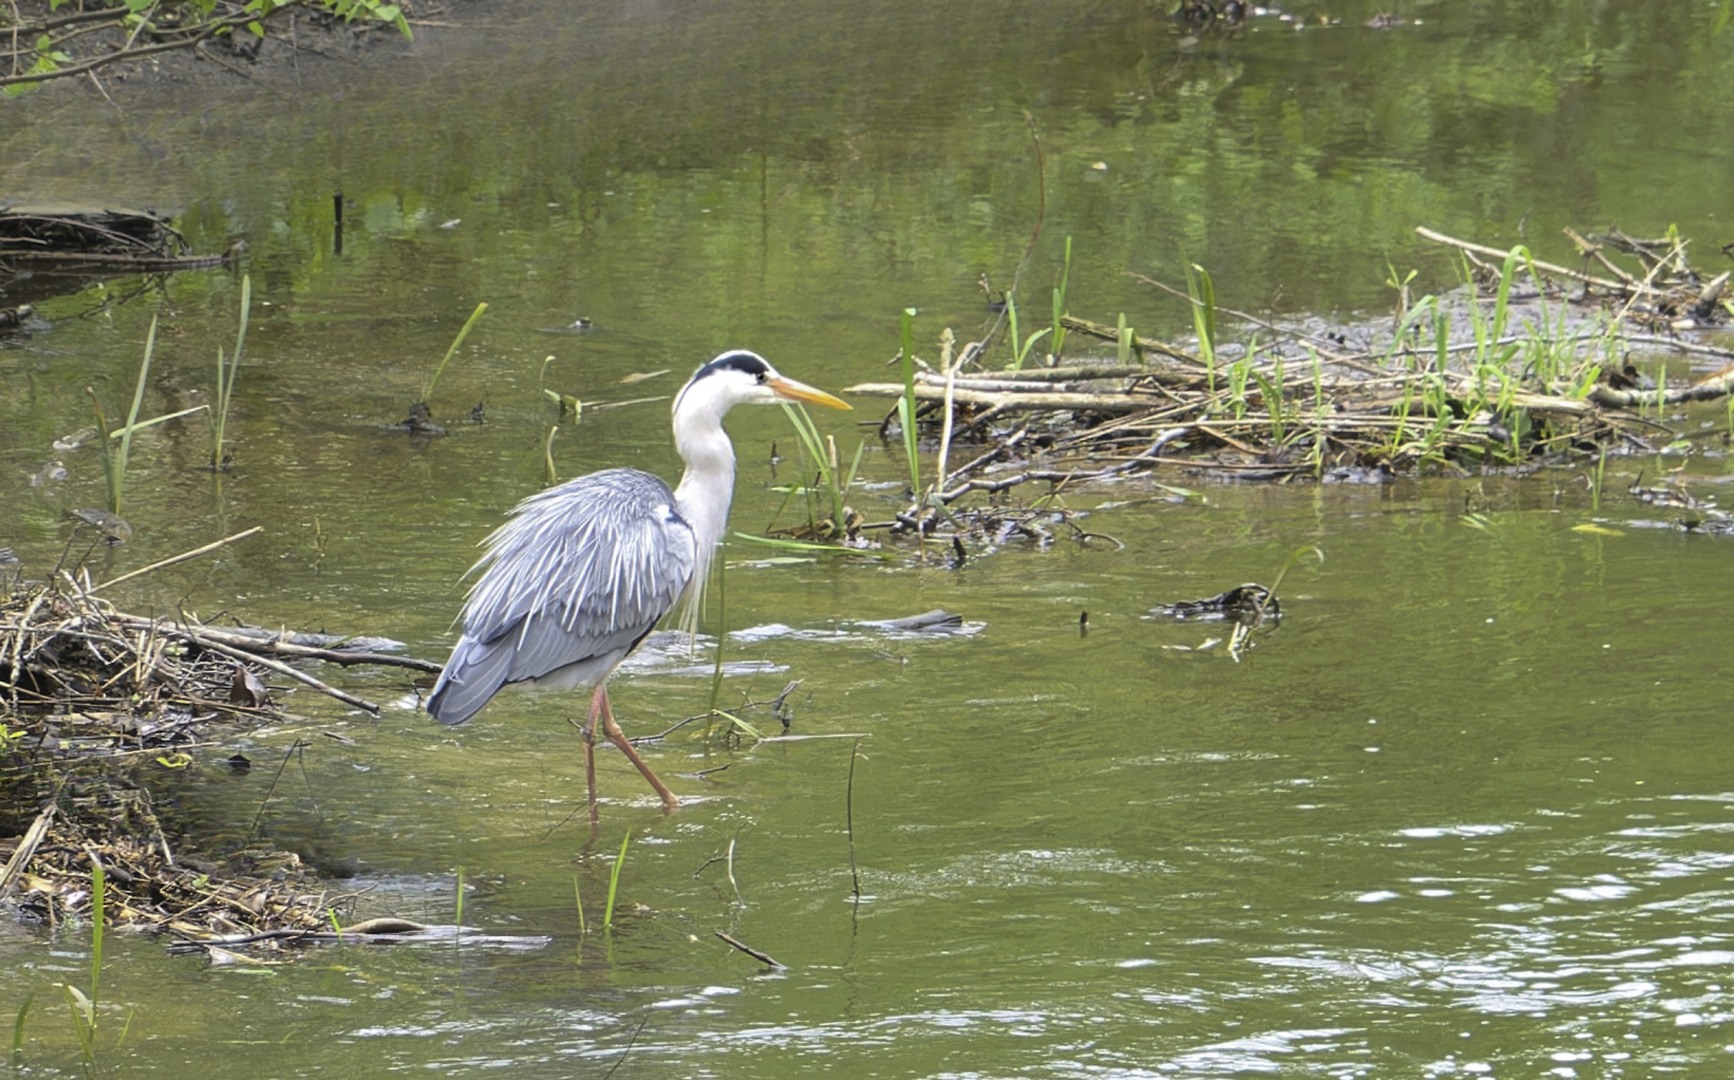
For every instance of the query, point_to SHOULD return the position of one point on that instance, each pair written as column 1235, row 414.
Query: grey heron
column 580, row 573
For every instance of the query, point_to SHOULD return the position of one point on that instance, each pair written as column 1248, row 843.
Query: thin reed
column 219, row 415
column 614, row 881
column 906, row 404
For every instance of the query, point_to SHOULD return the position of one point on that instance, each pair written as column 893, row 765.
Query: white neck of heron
column 708, row 484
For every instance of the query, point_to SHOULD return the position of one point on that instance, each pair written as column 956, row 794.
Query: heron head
column 739, row 377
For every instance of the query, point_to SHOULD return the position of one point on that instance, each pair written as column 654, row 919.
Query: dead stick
column 183, row 557
column 1495, row 253
column 258, row 646
column 1594, row 250
column 849, row 816
column 750, row 951
column 281, row 669
column 629, row 1045
column 26, row 849
column 1109, row 403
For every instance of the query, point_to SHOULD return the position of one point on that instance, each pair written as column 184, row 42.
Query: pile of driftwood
column 1345, row 404
column 49, row 250
column 99, row 708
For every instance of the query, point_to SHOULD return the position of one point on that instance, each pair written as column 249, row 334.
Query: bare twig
column 849, row 817
column 280, row 668
column 762, row 958
column 182, row 557
column 1495, row 253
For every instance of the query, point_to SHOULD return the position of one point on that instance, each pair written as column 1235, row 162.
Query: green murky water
column 1466, row 812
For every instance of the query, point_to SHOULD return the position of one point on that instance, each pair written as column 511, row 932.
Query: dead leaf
column 247, row 689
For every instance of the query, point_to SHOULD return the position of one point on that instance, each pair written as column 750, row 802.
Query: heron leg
column 597, row 702
column 618, row 738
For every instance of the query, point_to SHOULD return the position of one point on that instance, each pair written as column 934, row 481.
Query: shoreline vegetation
column 61, row 39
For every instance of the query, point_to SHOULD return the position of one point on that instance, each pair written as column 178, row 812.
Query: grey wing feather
column 578, row 575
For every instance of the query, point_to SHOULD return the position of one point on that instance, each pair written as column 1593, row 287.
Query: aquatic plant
column 1238, row 373
column 820, row 453
column 83, row 1004
column 219, row 414
column 1202, row 290
column 469, row 324
column 1059, row 327
column 548, row 454
column 1021, row 349
column 18, row 1028
column 1273, row 390
column 614, row 881
column 114, row 460
column 906, row 404
column 1599, row 475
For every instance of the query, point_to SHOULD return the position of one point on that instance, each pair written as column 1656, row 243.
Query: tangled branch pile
column 1526, row 367
column 97, row 708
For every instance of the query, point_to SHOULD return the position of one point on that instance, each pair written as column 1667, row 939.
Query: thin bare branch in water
column 849, row 819
column 621, row 1060
column 762, row 958
column 271, row 790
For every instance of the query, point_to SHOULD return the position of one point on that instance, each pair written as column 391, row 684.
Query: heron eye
column 764, row 378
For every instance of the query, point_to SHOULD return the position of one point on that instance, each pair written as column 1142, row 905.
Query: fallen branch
column 207, row 642
column 277, row 645
column 1014, row 400
column 1552, row 268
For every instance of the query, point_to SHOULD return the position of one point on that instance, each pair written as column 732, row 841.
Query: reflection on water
column 1464, row 813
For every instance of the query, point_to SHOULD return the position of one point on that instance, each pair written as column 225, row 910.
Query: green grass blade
column 1060, row 301
column 1502, row 299
column 118, row 477
column 475, row 317
column 614, row 881
column 98, row 908
column 218, row 416
column 855, row 466
column 155, row 420
column 108, row 452
column 906, row 404
column 1203, row 291
column 1273, row 402
column 813, row 447
column 226, row 379
column 18, row 1026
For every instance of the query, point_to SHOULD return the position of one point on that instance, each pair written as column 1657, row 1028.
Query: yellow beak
column 799, row 391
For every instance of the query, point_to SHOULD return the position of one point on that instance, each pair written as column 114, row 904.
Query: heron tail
column 472, row 676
